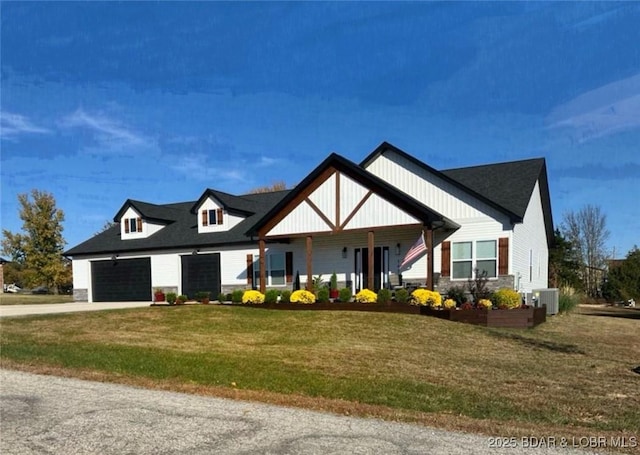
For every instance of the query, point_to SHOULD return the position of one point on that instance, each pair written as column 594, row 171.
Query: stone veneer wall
column 80, row 295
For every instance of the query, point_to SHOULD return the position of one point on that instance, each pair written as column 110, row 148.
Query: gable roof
column 148, row 211
column 386, row 191
column 182, row 230
column 238, row 204
column 488, row 182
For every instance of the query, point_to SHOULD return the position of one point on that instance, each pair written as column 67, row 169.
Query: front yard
column 30, row 299
column 572, row 376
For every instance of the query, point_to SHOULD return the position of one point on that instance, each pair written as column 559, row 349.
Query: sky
column 157, row 101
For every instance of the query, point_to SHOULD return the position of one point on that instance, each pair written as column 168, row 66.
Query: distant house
column 358, row 220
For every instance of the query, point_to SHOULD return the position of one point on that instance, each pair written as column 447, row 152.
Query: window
column 465, row 259
column 275, row 272
column 211, row 217
column 132, row 225
column 462, row 259
column 486, row 257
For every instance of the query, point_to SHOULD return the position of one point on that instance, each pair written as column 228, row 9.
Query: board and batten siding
column 433, row 191
column 148, row 228
column 374, row 212
column 229, row 221
column 530, row 247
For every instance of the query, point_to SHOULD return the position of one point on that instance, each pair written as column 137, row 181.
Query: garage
column 201, row 273
column 121, row 280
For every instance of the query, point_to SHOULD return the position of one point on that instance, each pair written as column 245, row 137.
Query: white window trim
column 474, row 259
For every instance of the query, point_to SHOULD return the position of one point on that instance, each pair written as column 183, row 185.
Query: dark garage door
column 121, row 280
column 201, row 273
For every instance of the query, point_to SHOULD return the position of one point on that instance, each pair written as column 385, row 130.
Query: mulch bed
column 517, row 318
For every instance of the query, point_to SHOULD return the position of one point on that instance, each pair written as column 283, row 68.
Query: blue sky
column 157, row 101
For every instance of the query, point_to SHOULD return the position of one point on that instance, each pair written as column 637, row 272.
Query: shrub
column 253, row 297
column 478, row 286
column 384, row 296
column 402, row 295
column 450, row 303
column 427, row 297
column 171, row 298
column 566, row 302
column 181, row 298
column 458, row 294
column 466, row 306
column 485, row 303
column 366, row 296
column 285, row 296
column 201, row 295
column 323, row 295
column 334, row 281
column 236, row 296
column 345, row 295
column 229, row 297
column 303, row 296
column 222, row 297
column 506, row 298
column 271, row 296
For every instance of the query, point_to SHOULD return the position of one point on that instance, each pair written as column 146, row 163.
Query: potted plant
column 181, row 299
column 333, row 286
column 203, row 297
column 171, row 298
column 158, row 295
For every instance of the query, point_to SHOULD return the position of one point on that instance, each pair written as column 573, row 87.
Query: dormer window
column 132, row 225
column 211, row 217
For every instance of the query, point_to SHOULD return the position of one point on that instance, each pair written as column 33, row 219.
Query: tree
column 563, row 268
column 275, row 186
column 587, row 232
column 106, row 226
column 623, row 280
column 38, row 249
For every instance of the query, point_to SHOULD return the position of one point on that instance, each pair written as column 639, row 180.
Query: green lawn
column 570, row 376
column 30, row 299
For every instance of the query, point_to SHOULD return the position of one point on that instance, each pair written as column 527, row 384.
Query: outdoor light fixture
column 344, row 253
column 194, row 252
column 397, row 249
column 114, row 257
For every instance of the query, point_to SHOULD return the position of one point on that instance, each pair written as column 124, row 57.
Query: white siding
column 228, row 220
column 431, row 190
column 378, row 212
column 165, row 270
column 529, row 240
column 81, row 273
column 374, row 212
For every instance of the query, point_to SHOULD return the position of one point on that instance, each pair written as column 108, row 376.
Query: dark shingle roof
column 504, row 186
column 181, row 229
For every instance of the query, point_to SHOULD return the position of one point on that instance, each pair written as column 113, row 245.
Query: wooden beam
column 428, row 240
column 371, row 246
column 263, row 269
column 309, row 262
column 338, row 196
column 355, row 210
column 320, row 214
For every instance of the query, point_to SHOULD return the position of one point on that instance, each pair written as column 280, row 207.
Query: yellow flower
column 366, row 296
column 485, row 303
column 427, row 297
column 253, row 297
column 302, row 296
column 449, row 303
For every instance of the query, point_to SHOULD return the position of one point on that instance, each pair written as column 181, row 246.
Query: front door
column 380, row 268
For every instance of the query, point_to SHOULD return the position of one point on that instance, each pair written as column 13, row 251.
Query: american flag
column 415, row 251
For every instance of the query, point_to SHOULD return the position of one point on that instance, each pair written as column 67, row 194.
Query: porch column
column 428, row 240
column 263, row 271
column 370, row 245
column 309, row 262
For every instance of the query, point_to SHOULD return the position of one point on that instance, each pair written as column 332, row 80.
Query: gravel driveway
column 52, row 415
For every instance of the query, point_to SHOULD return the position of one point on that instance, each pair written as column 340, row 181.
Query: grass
column 569, row 377
column 31, row 299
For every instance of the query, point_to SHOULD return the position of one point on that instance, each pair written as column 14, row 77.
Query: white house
column 358, row 221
